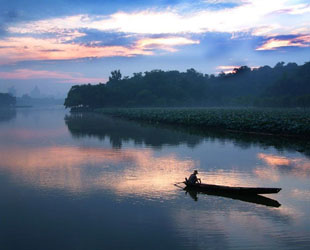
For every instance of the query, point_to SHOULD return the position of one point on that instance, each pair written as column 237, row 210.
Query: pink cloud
column 166, row 43
column 24, row 74
column 227, row 68
column 16, row 49
column 275, row 43
column 230, row 68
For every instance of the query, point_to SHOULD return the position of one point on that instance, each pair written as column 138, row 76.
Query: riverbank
column 284, row 122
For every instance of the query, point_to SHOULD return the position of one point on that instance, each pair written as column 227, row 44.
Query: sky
column 54, row 44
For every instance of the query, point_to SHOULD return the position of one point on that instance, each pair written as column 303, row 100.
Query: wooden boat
column 253, row 198
column 235, row 190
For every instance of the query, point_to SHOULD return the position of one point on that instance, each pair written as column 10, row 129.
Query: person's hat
column 195, row 172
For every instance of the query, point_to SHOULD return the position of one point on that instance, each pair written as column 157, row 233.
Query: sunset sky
column 56, row 44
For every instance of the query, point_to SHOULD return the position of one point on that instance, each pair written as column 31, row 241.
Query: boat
column 253, row 198
column 229, row 189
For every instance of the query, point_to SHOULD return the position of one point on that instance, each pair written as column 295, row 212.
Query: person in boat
column 193, row 178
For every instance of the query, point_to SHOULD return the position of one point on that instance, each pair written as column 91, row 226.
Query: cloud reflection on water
column 279, row 165
column 129, row 171
column 220, row 221
column 139, row 172
column 144, row 168
column 21, row 134
column 301, row 194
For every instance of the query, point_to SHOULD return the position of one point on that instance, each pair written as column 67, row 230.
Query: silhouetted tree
column 7, row 100
column 115, row 76
column 281, row 86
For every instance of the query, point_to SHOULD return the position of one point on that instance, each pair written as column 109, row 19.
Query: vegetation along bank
column 281, row 86
column 288, row 122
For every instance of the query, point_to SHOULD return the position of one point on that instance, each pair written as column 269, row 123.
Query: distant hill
column 280, row 86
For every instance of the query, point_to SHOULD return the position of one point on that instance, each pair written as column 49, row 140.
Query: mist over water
column 87, row 181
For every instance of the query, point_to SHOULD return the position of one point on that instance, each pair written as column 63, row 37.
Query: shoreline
column 272, row 122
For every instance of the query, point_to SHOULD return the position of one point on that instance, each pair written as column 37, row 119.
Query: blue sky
column 56, row 44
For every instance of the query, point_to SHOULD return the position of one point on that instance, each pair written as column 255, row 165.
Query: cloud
column 165, row 43
column 276, row 43
column 29, row 48
column 297, row 9
column 230, row 68
column 131, row 33
column 104, row 38
column 6, row 18
column 251, row 14
column 227, row 68
column 25, row 74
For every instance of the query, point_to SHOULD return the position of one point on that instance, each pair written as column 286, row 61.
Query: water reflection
column 257, row 199
column 303, row 195
column 120, row 131
column 27, row 135
column 299, row 167
column 259, row 227
column 138, row 172
column 129, row 171
column 7, row 114
column 106, row 183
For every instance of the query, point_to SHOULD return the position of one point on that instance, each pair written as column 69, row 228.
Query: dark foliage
column 284, row 122
column 7, row 100
column 280, row 86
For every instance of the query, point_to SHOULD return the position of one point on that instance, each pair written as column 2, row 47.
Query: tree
column 115, row 76
column 279, row 86
column 7, row 100
column 242, row 69
column 279, row 65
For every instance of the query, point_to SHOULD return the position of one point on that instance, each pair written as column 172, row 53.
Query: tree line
column 281, row 86
column 7, row 100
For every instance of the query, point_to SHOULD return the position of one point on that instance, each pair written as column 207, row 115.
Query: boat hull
column 236, row 190
column 251, row 198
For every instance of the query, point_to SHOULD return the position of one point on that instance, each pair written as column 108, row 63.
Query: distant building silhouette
column 35, row 93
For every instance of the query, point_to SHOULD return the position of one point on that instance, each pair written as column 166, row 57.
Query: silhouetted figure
column 193, row 178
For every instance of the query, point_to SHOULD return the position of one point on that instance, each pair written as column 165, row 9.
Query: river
column 86, row 181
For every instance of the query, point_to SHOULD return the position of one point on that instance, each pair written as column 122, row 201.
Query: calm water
column 93, row 182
